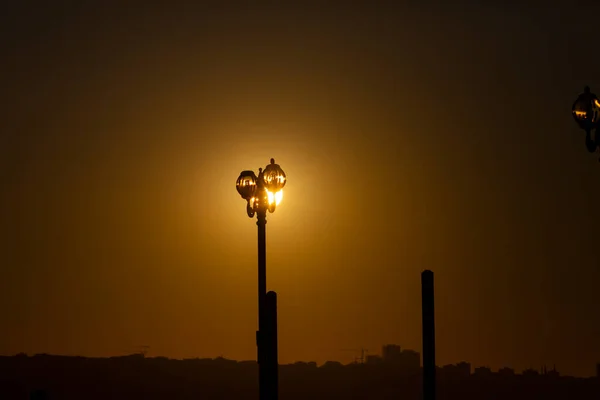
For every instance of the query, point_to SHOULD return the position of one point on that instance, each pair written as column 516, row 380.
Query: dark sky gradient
column 413, row 137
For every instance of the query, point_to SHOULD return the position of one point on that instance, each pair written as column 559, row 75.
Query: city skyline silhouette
column 46, row 376
column 415, row 137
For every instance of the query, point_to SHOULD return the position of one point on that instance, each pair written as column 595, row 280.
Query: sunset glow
column 141, row 147
column 276, row 197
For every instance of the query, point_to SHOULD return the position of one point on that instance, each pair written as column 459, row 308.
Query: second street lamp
column 586, row 112
column 263, row 193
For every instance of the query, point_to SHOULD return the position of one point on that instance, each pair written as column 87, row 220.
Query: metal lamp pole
column 261, row 334
column 262, row 194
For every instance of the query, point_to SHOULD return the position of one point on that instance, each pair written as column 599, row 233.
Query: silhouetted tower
column 598, row 371
column 428, row 335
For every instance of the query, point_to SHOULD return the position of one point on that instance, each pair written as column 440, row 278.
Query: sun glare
column 275, row 197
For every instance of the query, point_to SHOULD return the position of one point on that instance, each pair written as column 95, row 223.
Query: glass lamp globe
column 274, row 177
column 246, row 184
column 586, row 110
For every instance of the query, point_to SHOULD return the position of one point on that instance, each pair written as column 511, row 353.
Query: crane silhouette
column 362, row 351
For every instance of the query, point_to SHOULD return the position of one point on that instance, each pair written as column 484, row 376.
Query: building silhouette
column 482, row 371
column 391, row 353
column 530, row 372
column 405, row 361
column 553, row 373
column 507, row 372
column 374, row 359
column 455, row 372
column 154, row 378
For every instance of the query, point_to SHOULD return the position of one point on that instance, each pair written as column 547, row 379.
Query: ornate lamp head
column 586, row 110
column 274, row 177
column 246, row 184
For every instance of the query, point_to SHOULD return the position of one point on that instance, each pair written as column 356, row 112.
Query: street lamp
column 586, row 112
column 263, row 193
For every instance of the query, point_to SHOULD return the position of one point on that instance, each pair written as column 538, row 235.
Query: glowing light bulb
column 275, row 197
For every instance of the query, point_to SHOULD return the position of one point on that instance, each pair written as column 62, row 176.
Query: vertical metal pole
column 262, row 261
column 261, row 335
column 427, row 299
column 273, row 363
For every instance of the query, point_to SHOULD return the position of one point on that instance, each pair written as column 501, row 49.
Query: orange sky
column 411, row 140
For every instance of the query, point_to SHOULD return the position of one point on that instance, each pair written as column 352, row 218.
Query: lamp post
column 262, row 193
column 586, row 112
column 428, row 311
